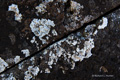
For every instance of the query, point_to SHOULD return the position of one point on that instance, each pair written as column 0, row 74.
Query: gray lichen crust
column 3, row 65
column 14, row 8
column 38, row 24
column 41, row 28
column 74, row 48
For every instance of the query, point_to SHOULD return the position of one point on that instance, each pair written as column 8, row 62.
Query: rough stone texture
column 103, row 64
column 16, row 36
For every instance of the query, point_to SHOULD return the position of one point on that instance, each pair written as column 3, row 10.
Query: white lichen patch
column 54, row 32
column 74, row 43
column 41, row 27
column 73, row 65
column 95, row 33
column 2, row 75
column 58, row 51
column 10, row 77
column 47, row 70
column 35, row 41
column 86, row 19
column 20, row 66
column 32, row 59
column 17, row 59
column 32, row 71
column 3, row 65
column 41, row 8
column 64, row 1
column 47, row 1
column 14, row 8
column 26, row 52
column 75, row 6
column 88, row 46
column 73, row 18
column 104, row 24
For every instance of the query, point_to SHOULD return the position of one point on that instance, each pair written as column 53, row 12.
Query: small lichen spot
column 26, row 52
column 104, row 24
column 17, row 59
column 14, row 8
column 3, row 65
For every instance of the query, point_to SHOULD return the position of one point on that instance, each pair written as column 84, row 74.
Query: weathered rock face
column 89, row 53
column 30, row 26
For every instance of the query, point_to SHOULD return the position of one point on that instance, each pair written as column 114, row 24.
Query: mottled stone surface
column 57, row 62
column 67, row 16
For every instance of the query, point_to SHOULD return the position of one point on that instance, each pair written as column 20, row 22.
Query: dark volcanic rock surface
column 67, row 58
column 16, row 36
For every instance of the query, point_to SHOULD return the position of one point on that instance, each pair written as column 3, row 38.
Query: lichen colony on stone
column 3, row 65
column 41, row 27
column 14, row 8
column 32, row 71
column 104, row 23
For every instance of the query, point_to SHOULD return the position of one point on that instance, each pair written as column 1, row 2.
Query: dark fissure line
column 65, row 36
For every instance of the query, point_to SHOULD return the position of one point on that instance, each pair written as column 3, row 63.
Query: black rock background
column 104, row 62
